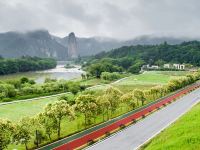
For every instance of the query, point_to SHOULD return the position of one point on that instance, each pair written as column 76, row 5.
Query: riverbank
column 59, row 72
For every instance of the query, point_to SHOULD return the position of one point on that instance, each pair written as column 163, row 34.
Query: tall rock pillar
column 72, row 46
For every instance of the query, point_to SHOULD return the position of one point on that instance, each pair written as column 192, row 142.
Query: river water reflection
column 57, row 73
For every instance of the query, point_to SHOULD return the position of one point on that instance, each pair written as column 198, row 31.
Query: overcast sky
column 122, row 19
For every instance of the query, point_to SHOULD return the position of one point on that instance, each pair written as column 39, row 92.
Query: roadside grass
column 184, row 134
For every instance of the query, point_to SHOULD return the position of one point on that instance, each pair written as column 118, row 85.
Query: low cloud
column 122, row 19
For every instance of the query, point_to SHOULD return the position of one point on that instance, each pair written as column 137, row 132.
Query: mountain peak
column 71, row 34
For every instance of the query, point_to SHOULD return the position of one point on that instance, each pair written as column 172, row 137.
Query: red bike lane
column 89, row 138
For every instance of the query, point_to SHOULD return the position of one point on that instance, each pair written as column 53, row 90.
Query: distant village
column 180, row 67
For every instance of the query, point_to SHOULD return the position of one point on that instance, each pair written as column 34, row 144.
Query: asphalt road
column 136, row 135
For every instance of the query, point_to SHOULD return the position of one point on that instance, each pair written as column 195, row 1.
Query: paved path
column 136, row 135
column 32, row 99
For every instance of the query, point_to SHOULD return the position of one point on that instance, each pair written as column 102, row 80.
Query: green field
column 145, row 80
column 18, row 110
column 142, row 81
column 184, row 134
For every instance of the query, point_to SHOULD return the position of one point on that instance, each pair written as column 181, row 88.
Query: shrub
column 110, row 76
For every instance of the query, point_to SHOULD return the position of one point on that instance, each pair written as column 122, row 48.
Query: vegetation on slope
column 131, row 58
column 183, row 134
column 186, row 52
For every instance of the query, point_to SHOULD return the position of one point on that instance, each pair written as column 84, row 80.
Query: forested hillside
column 24, row 64
column 131, row 58
column 186, row 52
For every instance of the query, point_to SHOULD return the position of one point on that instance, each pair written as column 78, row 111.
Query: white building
column 154, row 67
column 175, row 66
column 166, row 66
column 179, row 66
column 149, row 67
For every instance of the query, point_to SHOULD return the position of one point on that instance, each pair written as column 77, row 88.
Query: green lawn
column 18, row 110
column 145, row 80
column 184, row 134
column 151, row 77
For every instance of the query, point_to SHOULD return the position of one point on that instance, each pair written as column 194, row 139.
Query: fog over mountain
column 36, row 43
column 41, row 43
column 119, row 19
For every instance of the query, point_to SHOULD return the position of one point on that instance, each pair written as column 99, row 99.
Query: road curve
column 136, row 135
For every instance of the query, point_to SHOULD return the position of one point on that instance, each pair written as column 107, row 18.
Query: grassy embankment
column 184, row 134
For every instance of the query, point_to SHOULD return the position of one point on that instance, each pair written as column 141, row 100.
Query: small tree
column 6, row 131
column 155, row 92
column 86, row 104
column 103, row 105
column 57, row 111
column 49, row 125
column 113, row 96
column 24, row 80
column 139, row 95
column 22, row 133
column 129, row 100
column 83, row 76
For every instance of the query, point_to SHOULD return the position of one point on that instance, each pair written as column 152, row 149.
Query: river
column 56, row 73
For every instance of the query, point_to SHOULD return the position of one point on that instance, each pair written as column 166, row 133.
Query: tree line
column 24, row 64
column 96, row 67
column 27, row 88
column 49, row 123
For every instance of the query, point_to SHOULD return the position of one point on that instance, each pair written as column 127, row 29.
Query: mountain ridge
column 43, row 44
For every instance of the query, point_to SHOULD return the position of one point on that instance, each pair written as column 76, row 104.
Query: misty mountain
column 36, row 43
column 94, row 45
column 42, row 44
column 91, row 46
